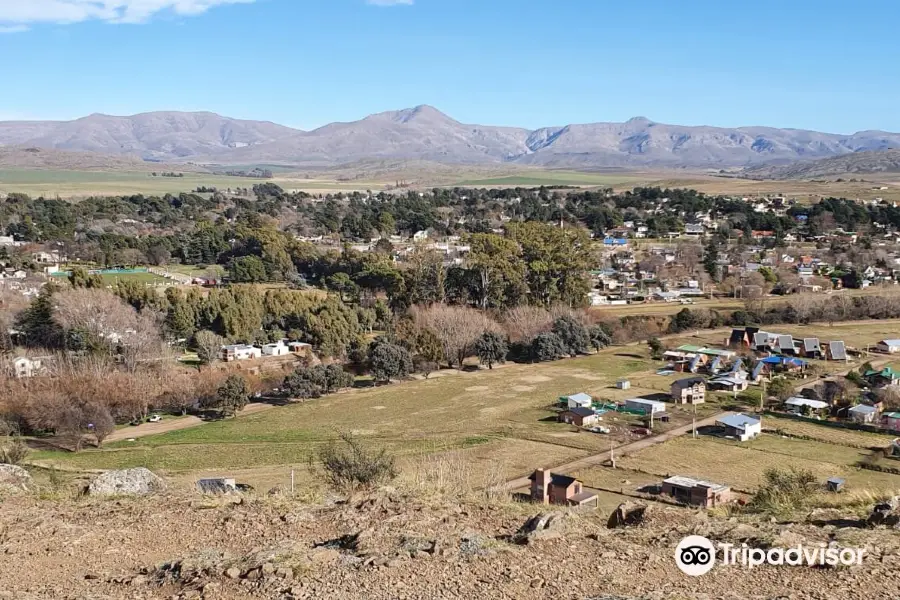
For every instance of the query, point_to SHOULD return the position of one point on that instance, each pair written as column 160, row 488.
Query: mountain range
column 425, row 133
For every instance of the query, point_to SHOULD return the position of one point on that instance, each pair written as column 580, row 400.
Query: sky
column 825, row 65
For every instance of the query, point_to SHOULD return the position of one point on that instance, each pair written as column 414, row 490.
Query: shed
column 837, row 350
column 812, row 348
column 580, row 400
column 785, row 344
column 888, row 346
column 835, row 484
column 580, row 417
column 623, row 384
column 863, row 413
column 645, row 406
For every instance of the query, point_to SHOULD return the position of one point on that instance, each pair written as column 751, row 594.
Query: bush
column 350, row 467
column 389, row 361
column 13, row 451
column 784, row 491
column 656, row 348
column 313, row 382
column 547, row 346
column 491, row 348
column 573, row 334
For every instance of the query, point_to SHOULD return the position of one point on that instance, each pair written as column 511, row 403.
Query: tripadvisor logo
column 695, row 555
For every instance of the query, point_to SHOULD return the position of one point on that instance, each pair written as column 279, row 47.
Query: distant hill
column 31, row 157
column 859, row 163
column 426, row 134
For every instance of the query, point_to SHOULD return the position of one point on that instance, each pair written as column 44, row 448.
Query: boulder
column 626, row 514
column 15, row 478
column 129, row 482
column 543, row 526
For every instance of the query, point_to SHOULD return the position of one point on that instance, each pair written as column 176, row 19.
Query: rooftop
column 688, row 482
column 738, row 421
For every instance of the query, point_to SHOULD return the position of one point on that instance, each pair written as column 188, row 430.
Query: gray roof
column 838, row 350
column 581, row 412
column 863, row 409
column 785, row 342
column 688, row 482
column 798, row 401
column 688, row 382
column 580, row 397
column 811, row 344
column 760, row 338
column 890, row 342
column 738, row 421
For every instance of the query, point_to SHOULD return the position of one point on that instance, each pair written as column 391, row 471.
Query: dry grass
column 831, row 435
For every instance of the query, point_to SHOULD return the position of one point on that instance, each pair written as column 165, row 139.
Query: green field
column 114, row 278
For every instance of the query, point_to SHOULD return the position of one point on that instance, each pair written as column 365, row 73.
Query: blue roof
column 610, row 241
column 738, row 421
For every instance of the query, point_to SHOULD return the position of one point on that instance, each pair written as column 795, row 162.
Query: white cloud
column 389, row 2
column 18, row 15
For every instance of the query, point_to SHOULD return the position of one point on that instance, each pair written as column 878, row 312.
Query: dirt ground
column 396, row 545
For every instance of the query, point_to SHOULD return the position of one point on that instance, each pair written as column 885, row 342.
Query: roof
column 798, row 401
column 689, row 348
column 556, row 479
column 580, row 398
column 863, row 409
column 737, row 336
column 581, row 412
column 645, row 402
column 689, row 482
column 689, row 382
column 738, row 421
column 716, row 352
column 760, row 338
column 836, row 480
column 728, row 380
column 892, row 415
column 583, row 497
column 811, row 344
column 890, row 342
column 786, row 341
column 838, row 350
column 887, row 373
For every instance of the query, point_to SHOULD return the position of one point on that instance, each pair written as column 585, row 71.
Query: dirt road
column 598, row 459
column 172, row 424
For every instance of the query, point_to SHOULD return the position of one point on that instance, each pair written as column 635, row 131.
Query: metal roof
column 811, row 344
column 580, row 398
column 838, row 350
column 798, row 401
column 738, row 421
column 689, row 482
column 863, row 409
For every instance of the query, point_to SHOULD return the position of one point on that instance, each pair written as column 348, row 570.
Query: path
column 598, row 459
column 173, row 424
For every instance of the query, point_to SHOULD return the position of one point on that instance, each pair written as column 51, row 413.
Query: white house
column 420, row 236
column 26, row 367
column 796, row 404
column 240, row 352
column 741, row 426
column 649, row 407
column 888, row 346
column 863, row 413
column 580, row 400
column 276, row 349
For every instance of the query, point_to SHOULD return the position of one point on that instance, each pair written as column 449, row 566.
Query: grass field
column 742, row 465
column 831, row 435
column 539, row 178
column 112, row 279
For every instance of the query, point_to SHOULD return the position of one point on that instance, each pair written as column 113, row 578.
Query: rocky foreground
column 396, row 545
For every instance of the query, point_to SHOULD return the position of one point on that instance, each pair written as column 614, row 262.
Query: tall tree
column 491, row 348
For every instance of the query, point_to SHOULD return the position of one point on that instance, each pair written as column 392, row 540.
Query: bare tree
column 522, row 323
column 457, row 328
column 209, row 346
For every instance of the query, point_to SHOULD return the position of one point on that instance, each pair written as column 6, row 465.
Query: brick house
column 581, row 417
column 551, row 488
column 696, row 492
column 691, row 390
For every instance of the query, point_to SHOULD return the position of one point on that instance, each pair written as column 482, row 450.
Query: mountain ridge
column 425, row 133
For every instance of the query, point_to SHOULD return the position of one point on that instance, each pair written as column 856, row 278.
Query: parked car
column 600, row 429
column 155, row 419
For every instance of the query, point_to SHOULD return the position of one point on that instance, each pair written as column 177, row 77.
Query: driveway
column 172, row 424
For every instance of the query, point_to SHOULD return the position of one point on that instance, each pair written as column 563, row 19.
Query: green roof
column 689, row 348
column 892, row 415
column 887, row 373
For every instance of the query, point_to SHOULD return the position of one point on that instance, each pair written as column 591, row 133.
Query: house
column 729, row 383
column 863, row 413
column 299, row 347
column 888, row 346
column 694, row 229
column 580, row 400
column 26, row 367
column 886, row 376
column 837, row 351
column 812, row 348
column 741, row 426
column 240, row 352
column 799, row 406
column 696, row 492
column 276, row 349
column 644, row 406
column 580, row 417
column 623, row 384
column 895, row 449
column 420, row 236
column 891, row 421
column 691, row 390
column 784, row 344
column 551, row 488
column 7, row 240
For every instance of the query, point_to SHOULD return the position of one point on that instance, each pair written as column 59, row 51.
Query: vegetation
column 350, row 467
column 784, row 491
column 491, row 348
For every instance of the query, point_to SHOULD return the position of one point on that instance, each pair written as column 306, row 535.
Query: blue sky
column 823, row 64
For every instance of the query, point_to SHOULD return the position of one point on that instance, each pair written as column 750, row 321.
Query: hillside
column 426, row 134
column 48, row 158
column 860, row 163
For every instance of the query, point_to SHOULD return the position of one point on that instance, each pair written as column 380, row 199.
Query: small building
column 729, row 383
column 741, row 426
column 691, row 390
column 837, row 351
column 551, row 488
column 696, row 492
column 895, row 449
column 812, row 348
column 891, row 421
column 580, row 400
column 299, row 347
column 799, row 405
column 886, row 376
column 644, row 406
column 835, row 484
column 623, row 384
column 240, row 352
column 276, row 349
column 24, row 367
column 863, row 413
column 581, row 417
column 888, row 346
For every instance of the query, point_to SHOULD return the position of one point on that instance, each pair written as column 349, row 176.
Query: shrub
column 547, row 346
column 350, row 467
column 491, row 348
column 656, row 348
column 573, row 334
column 13, row 451
column 389, row 361
column 784, row 491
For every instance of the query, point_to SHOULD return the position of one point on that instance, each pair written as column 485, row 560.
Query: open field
column 742, row 465
column 575, row 178
column 140, row 277
column 831, row 435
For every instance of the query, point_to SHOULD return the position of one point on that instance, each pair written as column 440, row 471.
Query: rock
column 268, row 569
column 233, row 573
column 14, row 477
column 285, row 573
column 139, row 580
column 252, row 575
column 885, row 513
column 191, row 594
column 627, row 514
column 135, row 482
column 216, row 485
column 542, row 526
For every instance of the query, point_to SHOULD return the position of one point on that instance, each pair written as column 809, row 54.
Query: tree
column 352, row 467
column 491, row 348
column 232, row 396
column 79, row 278
column 209, row 346
column 780, row 388
column 500, row 270
column 599, row 337
column 313, row 382
column 389, row 361
column 711, row 259
column 656, row 348
column 336, row 378
column 456, row 327
column 38, row 324
column 547, row 346
column 248, row 269
column 573, row 335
